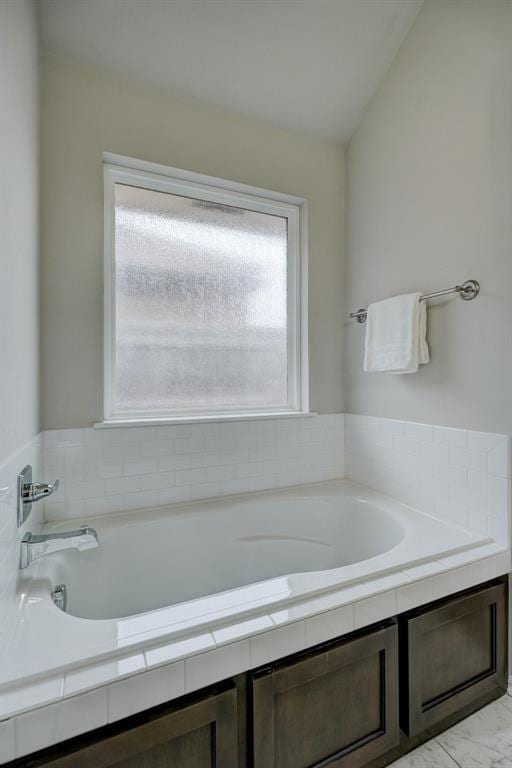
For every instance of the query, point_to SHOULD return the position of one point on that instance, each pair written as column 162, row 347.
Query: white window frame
column 161, row 178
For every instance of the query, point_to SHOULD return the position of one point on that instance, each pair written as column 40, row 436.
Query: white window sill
column 165, row 421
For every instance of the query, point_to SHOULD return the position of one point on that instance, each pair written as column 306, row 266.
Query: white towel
column 396, row 335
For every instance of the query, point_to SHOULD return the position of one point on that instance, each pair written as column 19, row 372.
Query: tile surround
column 457, row 475
column 163, row 673
column 57, row 722
column 109, row 470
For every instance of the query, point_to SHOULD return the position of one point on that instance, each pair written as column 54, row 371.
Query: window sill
column 165, row 421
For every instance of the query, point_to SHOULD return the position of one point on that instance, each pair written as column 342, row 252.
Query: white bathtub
column 164, row 573
column 145, row 562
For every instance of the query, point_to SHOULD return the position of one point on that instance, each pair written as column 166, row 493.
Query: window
column 204, row 296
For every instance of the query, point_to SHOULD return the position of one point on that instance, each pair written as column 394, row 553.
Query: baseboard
column 509, row 691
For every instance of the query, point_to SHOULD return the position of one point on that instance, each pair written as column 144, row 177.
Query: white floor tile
column 483, row 740
column 507, row 702
column 429, row 755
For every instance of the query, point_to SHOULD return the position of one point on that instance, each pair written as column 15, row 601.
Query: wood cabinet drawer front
column 453, row 653
column 202, row 734
column 336, row 708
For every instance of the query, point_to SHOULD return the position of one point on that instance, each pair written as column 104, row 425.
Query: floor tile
column 483, row 740
column 429, row 755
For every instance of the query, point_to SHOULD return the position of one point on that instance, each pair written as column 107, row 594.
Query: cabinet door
column 337, row 706
column 453, row 653
column 201, row 734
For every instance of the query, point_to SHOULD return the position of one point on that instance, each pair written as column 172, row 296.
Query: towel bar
column 467, row 291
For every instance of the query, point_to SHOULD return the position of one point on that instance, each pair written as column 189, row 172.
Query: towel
column 396, row 335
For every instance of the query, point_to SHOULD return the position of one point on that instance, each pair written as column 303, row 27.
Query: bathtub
column 160, row 574
column 197, row 550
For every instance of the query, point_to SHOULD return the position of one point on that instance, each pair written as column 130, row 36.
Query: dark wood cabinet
column 336, row 706
column 452, row 652
column 194, row 734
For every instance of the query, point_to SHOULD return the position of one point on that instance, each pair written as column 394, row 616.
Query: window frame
column 161, row 178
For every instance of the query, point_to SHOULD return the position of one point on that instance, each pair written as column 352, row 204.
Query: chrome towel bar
column 467, row 291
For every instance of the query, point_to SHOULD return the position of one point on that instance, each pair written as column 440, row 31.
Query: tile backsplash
column 109, row 470
column 458, row 475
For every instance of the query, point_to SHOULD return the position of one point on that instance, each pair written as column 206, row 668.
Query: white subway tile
column 173, row 431
column 503, row 563
column 375, row 608
column 7, row 741
column 263, row 483
column 393, row 427
column 499, row 530
column 220, row 473
column 189, row 445
column 454, row 437
column 84, row 490
column 484, row 441
column 418, row 593
column 117, row 485
column 156, row 449
column 498, row 459
column 43, row 727
column 235, row 486
column 216, row 665
column 297, row 611
column 435, row 452
column 140, row 467
column 205, row 490
column 277, row 643
column 172, row 463
column 498, row 492
column 173, row 495
column 157, row 480
column 110, row 469
column 141, row 499
column 190, row 476
column 330, row 624
column 34, row 694
column 145, row 690
column 422, row 432
column 210, row 459
column 104, row 505
column 462, row 457
column 406, row 445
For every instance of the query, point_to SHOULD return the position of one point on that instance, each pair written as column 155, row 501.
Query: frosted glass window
column 201, row 315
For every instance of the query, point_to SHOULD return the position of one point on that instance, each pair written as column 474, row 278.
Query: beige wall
column 429, row 204
column 19, row 292
column 85, row 114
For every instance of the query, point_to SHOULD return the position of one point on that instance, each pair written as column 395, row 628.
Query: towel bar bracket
column 468, row 290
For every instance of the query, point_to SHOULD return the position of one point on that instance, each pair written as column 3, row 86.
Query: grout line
column 448, row 753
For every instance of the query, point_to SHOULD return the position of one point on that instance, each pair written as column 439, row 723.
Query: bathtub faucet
column 34, row 546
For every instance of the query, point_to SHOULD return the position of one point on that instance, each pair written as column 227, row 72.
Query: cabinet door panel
column 338, row 707
column 194, row 733
column 456, row 652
